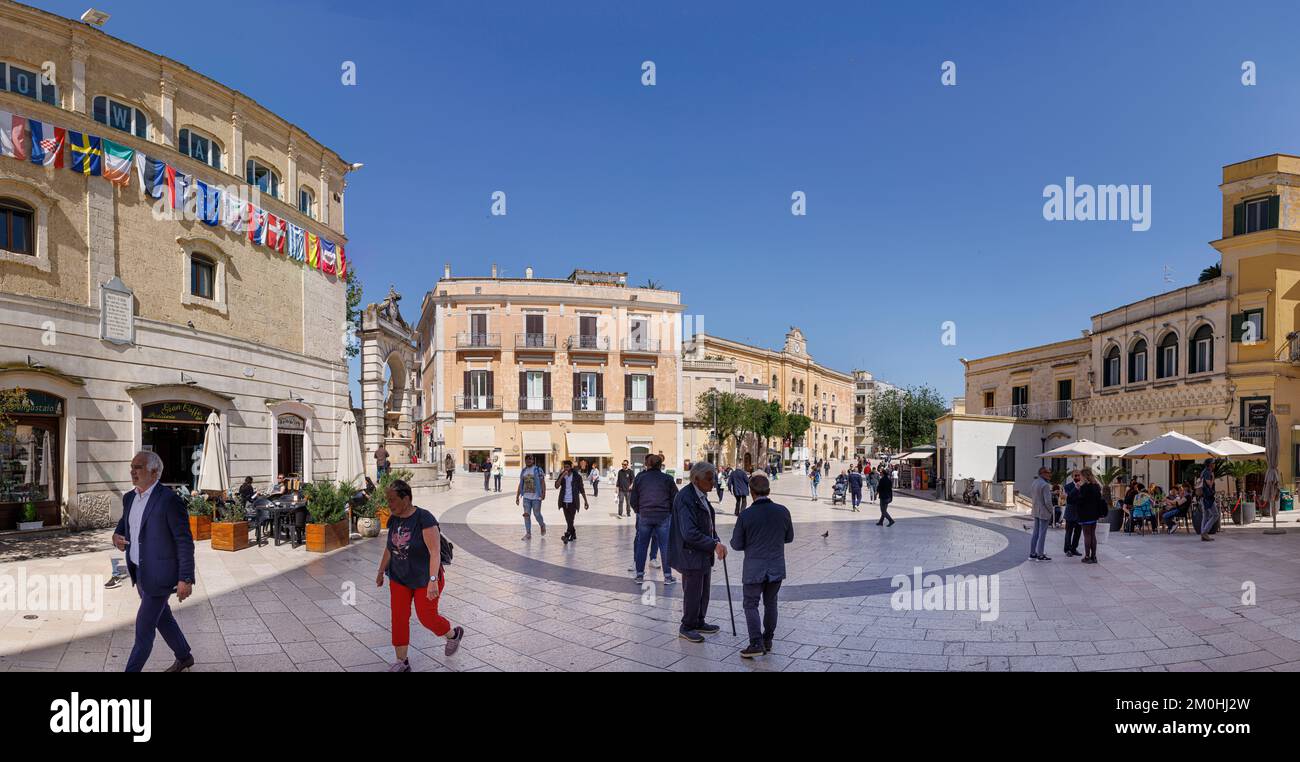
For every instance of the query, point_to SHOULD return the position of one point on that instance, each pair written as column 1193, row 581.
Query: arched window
column 266, row 179
column 203, row 277
column 20, row 79
column 199, row 146
column 121, row 116
column 1110, row 367
column 794, row 385
column 1200, row 350
column 307, row 202
column 1167, row 356
column 1137, row 362
column 16, row 227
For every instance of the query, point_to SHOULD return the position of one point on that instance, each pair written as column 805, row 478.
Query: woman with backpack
column 415, row 573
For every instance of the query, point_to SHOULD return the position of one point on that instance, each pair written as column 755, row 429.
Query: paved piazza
column 1153, row 603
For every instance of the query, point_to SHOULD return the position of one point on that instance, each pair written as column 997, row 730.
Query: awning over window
column 480, row 438
column 916, row 456
column 588, row 445
column 537, row 442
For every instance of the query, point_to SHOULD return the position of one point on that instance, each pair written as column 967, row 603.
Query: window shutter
column 546, row 384
column 1239, row 219
column 1238, row 326
column 577, row 385
column 466, row 388
column 1274, row 211
column 490, row 393
column 649, row 387
column 600, row 385
column 627, row 386
column 523, row 383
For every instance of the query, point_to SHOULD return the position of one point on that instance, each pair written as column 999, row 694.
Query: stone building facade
column 219, row 325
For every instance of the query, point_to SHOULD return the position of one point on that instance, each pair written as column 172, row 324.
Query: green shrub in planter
column 327, row 502
column 29, row 512
column 200, row 505
column 230, row 512
column 379, row 500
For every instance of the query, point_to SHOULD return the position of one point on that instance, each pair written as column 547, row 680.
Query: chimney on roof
column 494, row 270
column 446, row 270
column 528, row 273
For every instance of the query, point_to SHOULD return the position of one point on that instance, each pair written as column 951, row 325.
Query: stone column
column 78, row 53
column 324, row 194
column 101, row 248
column 167, row 109
column 372, row 398
column 291, row 171
column 236, row 151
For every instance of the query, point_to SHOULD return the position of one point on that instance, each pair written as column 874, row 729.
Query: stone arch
column 387, row 342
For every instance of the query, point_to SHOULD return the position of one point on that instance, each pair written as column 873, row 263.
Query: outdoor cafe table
column 280, row 510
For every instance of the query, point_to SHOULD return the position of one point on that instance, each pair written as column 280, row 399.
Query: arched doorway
column 173, row 430
column 31, row 457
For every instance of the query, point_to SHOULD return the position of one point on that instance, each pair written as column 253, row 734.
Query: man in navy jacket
column 651, row 497
column 738, row 483
column 762, row 533
column 155, row 533
column 692, row 545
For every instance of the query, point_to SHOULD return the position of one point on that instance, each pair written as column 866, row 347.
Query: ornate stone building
column 130, row 328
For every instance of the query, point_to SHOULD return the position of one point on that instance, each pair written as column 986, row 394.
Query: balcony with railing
column 639, row 408
column 587, row 408
column 1054, row 410
column 471, row 340
column 543, row 341
column 1250, row 434
column 534, row 408
column 635, row 345
column 586, row 343
column 477, row 403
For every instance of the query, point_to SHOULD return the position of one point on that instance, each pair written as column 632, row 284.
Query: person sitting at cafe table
column 1176, row 506
column 1142, row 511
column 280, row 486
column 247, row 491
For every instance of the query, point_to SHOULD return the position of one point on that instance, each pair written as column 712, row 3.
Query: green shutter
column 1238, row 323
column 1239, row 219
column 1274, row 211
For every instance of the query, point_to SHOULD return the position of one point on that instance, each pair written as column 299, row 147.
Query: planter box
column 381, row 515
column 322, row 538
column 201, row 527
column 229, row 535
column 24, row 526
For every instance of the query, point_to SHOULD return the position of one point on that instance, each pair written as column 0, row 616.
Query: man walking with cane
column 762, row 533
column 692, row 545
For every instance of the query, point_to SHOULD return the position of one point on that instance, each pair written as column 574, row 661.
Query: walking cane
column 726, row 577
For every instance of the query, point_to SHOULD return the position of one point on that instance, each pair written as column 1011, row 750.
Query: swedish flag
column 87, row 154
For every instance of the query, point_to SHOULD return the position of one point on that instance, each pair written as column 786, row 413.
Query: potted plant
column 1239, row 470
column 31, row 519
column 1115, row 518
column 377, row 506
column 367, row 524
column 201, row 509
column 230, row 530
column 327, row 515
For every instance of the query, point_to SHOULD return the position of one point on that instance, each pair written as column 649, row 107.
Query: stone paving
column 1153, row 603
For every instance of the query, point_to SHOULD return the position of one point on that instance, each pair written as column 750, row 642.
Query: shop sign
column 181, row 412
column 116, row 313
column 40, row 403
column 287, row 422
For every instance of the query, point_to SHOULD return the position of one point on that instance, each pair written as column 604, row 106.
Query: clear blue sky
column 924, row 202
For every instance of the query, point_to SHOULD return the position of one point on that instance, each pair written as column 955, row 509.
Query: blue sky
column 924, row 202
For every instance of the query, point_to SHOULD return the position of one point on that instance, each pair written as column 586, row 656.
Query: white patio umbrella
column 1238, row 450
column 212, row 469
column 1272, row 478
column 1172, row 446
column 45, row 467
column 1084, row 448
column 350, row 466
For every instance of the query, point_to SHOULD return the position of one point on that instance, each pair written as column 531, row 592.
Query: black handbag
column 445, row 549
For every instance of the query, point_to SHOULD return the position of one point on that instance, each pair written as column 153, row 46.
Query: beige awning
column 479, row 438
column 916, row 456
column 537, row 442
column 588, row 445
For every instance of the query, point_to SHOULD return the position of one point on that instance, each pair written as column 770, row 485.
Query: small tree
column 921, row 406
column 1239, row 470
column 353, row 346
column 1210, row 273
column 327, row 502
column 796, row 425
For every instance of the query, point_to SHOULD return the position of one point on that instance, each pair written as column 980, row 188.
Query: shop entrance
column 174, row 431
column 638, row 458
column 290, row 433
column 30, row 456
column 477, row 460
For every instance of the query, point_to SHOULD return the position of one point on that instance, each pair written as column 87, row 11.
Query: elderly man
column 738, row 483
column 155, row 533
column 762, row 533
column 1044, row 512
column 692, row 545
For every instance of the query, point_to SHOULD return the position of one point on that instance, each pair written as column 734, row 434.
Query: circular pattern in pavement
column 911, row 542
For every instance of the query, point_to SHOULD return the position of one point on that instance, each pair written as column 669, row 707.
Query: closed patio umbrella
column 29, row 473
column 212, row 469
column 1272, row 478
column 350, row 467
column 45, row 467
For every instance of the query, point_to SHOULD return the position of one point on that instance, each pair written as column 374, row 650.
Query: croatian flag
column 47, row 143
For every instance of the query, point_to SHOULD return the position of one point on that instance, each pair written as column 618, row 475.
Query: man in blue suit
column 692, row 545
column 155, row 533
column 762, row 533
column 738, row 483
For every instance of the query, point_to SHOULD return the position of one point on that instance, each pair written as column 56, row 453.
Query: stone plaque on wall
column 116, row 312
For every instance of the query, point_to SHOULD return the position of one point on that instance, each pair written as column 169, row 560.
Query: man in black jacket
column 885, row 491
column 651, row 497
column 762, row 532
column 624, row 483
column 692, row 545
column 569, row 488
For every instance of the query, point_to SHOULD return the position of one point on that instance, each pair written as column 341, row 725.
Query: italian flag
column 117, row 162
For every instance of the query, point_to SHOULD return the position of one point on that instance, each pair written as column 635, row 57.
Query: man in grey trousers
column 1044, row 512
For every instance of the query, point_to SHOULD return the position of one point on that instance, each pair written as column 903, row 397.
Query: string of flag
column 43, row 144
